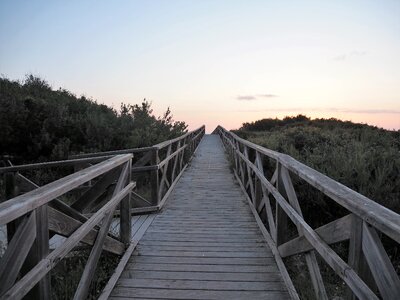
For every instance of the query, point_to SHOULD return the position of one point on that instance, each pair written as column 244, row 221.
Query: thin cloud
column 267, row 95
column 364, row 111
column 255, row 97
column 330, row 109
column 340, row 57
column 358, row 53
column 246, row 98
column 345, row 56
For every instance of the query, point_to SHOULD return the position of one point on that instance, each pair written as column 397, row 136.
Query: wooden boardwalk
column 205, row 244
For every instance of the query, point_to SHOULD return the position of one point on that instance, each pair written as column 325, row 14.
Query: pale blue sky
column 214, row 62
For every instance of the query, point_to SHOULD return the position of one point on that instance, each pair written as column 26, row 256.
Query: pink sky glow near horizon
column 215, row 62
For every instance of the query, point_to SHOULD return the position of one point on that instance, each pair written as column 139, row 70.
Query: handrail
column 370, row 211
column 365, row 250
column 30, row 217
column 97, row 156
column 25, row 203
column 113, row 152
column 165, row 167
column 152, row 160
column 51, row 164
column 169, row 142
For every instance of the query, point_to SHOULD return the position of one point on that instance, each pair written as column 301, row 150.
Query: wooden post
column 281, row 217
column 125, row 215
column 39, row 250
column 10, row 192
column 154, row 180
column 41, row 247
column 182, row 158
column 176, row 159
column 91, row 264
column 356, row 257
column 315, row 274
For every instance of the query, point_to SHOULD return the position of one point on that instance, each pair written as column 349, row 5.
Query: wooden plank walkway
column 205, row 244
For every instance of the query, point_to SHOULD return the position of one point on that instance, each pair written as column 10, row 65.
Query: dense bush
column 39, row 123
column 362, row 157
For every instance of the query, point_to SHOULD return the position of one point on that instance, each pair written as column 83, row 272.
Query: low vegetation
column 39, row 123
column 362, row 157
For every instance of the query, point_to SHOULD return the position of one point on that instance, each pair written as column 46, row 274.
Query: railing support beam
column 154, row 178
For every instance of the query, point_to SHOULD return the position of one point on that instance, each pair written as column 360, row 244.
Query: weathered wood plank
column 44, row 266
column 197, row 294
column 382, row 269
column 17, row 250
column 205, row 248
column 221, row 253
column 182, row 137
column 340, row 267
column 356, row 258
column 91, row 264
column 370, row 211
column 262, row 261
column 138, row 223
column 154, row 178
column 311, row 259
column 64, row 225
column 167, row 194
column 228, row 245
column 278, row 259
column 205, row 238
column 38, row 252
column 333, row 232
column 50, row 164
column 163, row 168
column 209, row 276
column 22, row 204
column 56, row 203
column 281, row 218
column 200, row 284
column 11, row 190
column 124, row 260
column 96, row 190
column 206, row 268
column 125, row 211
column 206, row 231
column 112, row 153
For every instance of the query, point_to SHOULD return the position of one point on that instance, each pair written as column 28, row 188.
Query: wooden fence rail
column 33, row 214
column 164, row 161
column 368, row 273
column 27, row 219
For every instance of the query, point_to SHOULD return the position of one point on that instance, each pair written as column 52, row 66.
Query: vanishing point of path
column 205, row 244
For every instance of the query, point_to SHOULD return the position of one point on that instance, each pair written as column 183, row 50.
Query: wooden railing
column 163, row 162
column 368, row 272
column 40, row 212
column 30, row 216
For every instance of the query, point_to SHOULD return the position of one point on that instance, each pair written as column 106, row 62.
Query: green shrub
column 38, row 123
